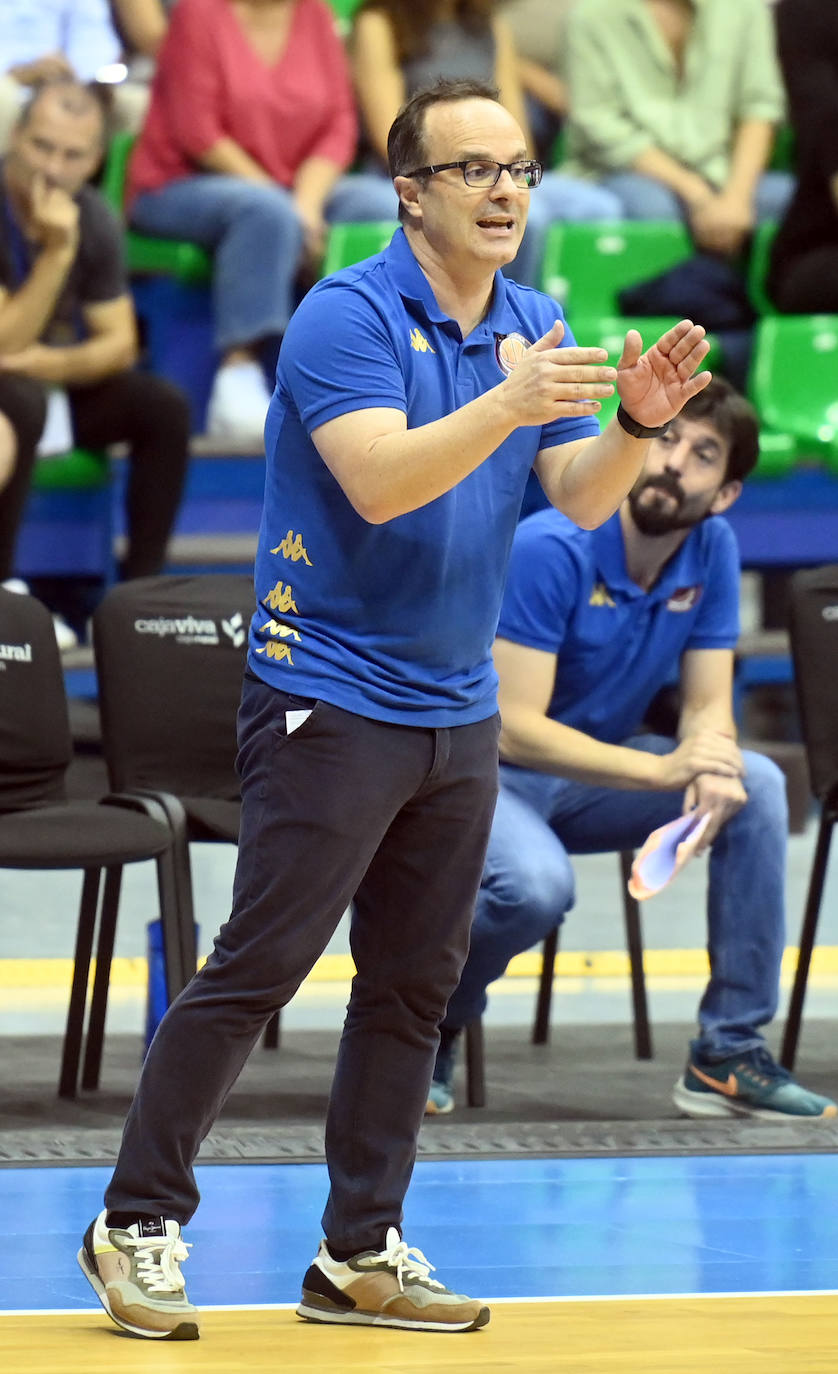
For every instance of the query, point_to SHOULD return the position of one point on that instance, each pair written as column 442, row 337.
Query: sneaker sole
column 700, row 1106
column 356, row 1318
column 431, row 1108
column 185, row 1331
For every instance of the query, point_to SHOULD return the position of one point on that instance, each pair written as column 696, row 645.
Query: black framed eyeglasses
column 484, row 173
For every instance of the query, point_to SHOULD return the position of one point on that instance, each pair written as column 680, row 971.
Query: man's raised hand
column 654, row 385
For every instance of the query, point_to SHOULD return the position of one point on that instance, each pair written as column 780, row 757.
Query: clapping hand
column 653, row 386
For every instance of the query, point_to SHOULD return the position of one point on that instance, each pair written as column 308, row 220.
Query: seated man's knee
column 533, row 897
column 765, row 784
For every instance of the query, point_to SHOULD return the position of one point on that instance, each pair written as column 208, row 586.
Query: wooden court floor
column 687, row 1265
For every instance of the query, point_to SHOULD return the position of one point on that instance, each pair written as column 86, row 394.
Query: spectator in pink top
column 251, row 127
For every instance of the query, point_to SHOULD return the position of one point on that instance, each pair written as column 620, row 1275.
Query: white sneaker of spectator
column 238, row 403
column 65, row 636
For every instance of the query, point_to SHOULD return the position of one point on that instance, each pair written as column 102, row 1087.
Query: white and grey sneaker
column 392, row 1287
column 135, row 1272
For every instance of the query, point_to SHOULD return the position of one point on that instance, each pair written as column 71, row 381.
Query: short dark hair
column 75, row 99
column 406, row 145
column 722, row 406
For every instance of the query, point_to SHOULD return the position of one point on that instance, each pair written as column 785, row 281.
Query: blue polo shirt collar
column 412, row 285
column 684, row 569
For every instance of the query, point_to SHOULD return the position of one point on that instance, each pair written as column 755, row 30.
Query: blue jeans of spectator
column 642, row 197
column 256, row 238
column 392, row 818
column 528, row 886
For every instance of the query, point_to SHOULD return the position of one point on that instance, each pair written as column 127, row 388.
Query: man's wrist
column 634, row 427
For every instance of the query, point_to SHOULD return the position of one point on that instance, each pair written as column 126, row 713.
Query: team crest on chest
column 683, row 599
column 509, row 350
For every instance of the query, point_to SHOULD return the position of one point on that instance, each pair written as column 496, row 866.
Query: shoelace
column 759, row 1061
column 410, row 1263
column 157, row 1262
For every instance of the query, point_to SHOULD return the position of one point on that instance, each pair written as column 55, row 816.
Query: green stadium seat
column 80, row 468
column 586, row 265
column 794, row 382
column 348, row 243
column 147, row 255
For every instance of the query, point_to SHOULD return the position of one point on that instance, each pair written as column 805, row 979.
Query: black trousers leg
column 23, row 402
column 151, row 415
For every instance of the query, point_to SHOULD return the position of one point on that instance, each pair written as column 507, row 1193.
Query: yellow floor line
column 338, row 968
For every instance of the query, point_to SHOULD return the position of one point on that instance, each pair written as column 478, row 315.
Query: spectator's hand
column 314, row 232
column 54, row 216
column 654, row 385
column 52, row 67
column 705, row 752
column 549, row 381
column 721, row 222
column 722, row 797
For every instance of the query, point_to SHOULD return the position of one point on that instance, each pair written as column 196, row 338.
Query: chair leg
column 270, row 1039
column 634, row 945
column 541, row 1026
column 74, row 1031
column 475, row 1065
column 791, row 1033
column 92, row 1064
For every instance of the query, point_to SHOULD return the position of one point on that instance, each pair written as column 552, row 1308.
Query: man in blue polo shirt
column 414, row 394
column 593, row 624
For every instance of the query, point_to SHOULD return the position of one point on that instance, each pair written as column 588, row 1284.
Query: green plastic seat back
column 759, row 260
column 344, row 11
column 794, row 381
column 115, row 169
column 350, row 243
column 587, row 264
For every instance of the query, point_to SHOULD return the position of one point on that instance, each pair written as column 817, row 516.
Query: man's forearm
column 749, row 158
column 691, row 186
column 535, row 741
column 598, row 476
column 81, row 364
column 25, row 312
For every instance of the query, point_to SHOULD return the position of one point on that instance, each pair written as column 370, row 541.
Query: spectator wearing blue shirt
column 593, row 624
column 414, row 393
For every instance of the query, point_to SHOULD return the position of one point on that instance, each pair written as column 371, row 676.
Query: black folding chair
column 813, row 632
column 474, row 1055
column 170, row 653
column 40, row 829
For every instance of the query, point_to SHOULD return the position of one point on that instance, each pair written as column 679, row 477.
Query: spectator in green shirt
column 673, row 106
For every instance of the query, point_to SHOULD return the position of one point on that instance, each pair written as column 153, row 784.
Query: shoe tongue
column 150, row 1228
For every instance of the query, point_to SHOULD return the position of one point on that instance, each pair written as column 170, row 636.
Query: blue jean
column 528, row 886
column 256, row 239
column 642, row 197
column 395, row 817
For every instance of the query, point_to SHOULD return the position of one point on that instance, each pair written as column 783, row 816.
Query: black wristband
column 635, row 429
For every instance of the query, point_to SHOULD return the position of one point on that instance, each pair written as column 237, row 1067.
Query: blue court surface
column 504, row 1229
